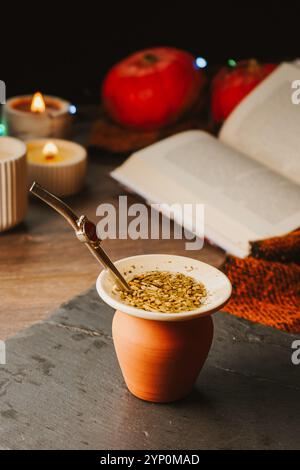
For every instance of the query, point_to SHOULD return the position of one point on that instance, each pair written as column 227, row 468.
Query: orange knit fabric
column 266, row 284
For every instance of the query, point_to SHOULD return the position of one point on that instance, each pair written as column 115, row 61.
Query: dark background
column 66, row 52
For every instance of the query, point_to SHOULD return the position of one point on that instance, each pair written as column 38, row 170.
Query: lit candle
column 38, row 104
column 59, row 165
column 50, row 151
column 37, row 116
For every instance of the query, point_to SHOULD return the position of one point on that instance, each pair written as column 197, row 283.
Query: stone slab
column 62, row 389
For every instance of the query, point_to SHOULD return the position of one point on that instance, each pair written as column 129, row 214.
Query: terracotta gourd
column 160, row 361
column 161, row 354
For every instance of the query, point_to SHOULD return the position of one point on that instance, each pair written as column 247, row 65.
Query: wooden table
column 42, row 264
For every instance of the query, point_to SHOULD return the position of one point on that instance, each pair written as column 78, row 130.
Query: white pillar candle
column 13, row 182
column 58, row 165
column 36, row 115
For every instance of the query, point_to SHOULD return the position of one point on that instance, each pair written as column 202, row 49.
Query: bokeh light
column 200, row 62
column 72, row 109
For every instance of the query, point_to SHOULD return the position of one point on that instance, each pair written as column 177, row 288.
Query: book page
column 243, row 199
column 266, row 124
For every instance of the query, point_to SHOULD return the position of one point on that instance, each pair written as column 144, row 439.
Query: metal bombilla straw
column 85, row 230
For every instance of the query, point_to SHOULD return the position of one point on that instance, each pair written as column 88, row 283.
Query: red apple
column 232, row 84
column 152, row 88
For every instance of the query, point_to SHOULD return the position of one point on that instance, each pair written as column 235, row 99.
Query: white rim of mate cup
column 216, row 283
column 13, row 182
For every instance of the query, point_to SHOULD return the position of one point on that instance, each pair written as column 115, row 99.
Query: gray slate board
column 62, row 389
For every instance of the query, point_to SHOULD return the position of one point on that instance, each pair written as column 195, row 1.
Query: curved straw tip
column 34, row 184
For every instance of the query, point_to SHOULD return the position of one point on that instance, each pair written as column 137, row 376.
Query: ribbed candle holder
column 13, row 182
column 58, row 165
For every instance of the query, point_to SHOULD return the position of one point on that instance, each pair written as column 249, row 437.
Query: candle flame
column 38, row 103
column 50, row 150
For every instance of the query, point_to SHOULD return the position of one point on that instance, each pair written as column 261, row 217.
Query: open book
column 248, row 178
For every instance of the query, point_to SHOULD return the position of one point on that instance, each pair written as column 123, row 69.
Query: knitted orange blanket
column 266, row 284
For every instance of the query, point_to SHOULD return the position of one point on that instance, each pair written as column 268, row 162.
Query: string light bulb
column 200, row 63
column 72, row 109
column 2, row 130
column 231, row 63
